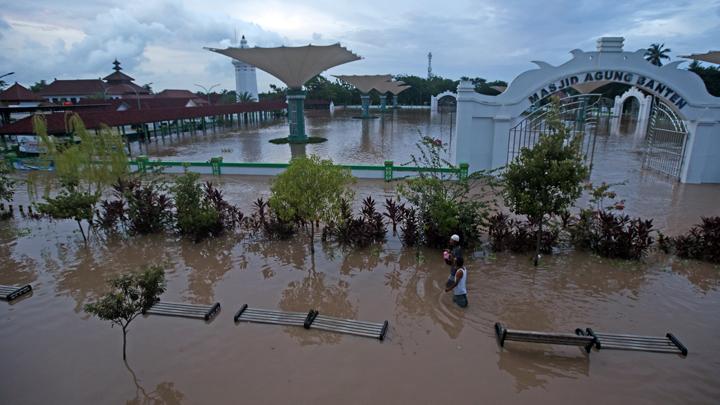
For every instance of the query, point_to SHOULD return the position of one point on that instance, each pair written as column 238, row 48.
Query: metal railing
column 665, row 141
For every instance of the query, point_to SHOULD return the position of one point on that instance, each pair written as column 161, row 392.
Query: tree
column 84, row 170
column 710, row 75
column 148, row 87
column 309, row 191
column 656, row 53
column 545, row 180
column 7, row 185
column 130, row 295
column 245, row 97
column 442, row 202
column 38, row 86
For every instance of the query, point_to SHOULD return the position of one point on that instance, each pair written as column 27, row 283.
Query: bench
column 566, row 339
column 11, row 292
column 206, row 312
column 657, row 344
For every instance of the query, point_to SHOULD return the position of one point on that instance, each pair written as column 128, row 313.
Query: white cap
column 456, row 238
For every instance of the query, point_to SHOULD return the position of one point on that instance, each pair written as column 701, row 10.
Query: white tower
column 245, row 77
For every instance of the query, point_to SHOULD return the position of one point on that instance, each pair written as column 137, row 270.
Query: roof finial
column 117, row 67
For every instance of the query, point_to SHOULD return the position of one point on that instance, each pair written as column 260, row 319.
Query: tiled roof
column 118, row 77
column 73, row 87
column 125, row 88
column 17, row 92
column 176, row 93
column 95, row 119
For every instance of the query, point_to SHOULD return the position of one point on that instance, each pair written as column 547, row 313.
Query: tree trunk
column 312, row 238
column 124, row 343
column 81, row 230
column 537, row 243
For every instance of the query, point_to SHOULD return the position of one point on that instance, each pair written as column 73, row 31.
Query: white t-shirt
column 460, row 288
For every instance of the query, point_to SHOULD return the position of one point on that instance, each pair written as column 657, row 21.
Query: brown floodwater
column 52, row 352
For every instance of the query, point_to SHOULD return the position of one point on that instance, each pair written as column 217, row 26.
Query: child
column 458, row 285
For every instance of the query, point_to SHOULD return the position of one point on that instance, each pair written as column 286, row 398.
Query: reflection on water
column 164, row 393
column 352, row 141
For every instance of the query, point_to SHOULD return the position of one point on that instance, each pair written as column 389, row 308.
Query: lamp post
column 207, row 90
column 7, row 74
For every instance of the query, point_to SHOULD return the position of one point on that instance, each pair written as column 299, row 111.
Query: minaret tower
column 245, row 77
column 429, row 65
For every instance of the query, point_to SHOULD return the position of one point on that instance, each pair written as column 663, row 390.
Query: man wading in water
column 458, row 285
column 451, row 255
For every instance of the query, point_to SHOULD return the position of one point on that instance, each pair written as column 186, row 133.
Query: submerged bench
column 567, row 339
column 205, row 312
column 312, row 320
column 11, row 292
column 602, row 341
column 657, row 344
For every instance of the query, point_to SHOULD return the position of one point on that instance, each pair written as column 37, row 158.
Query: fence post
column 216, row 163
column 142, row 163
column 463, row 172
column 388, row 174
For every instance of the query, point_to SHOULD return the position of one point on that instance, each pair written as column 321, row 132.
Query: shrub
column 394, row 212
column 600, row 229
column 505, row 233
column 7, row 185
column 202, row 211
column 70, row 203
column 702, row 242
column 409, row 227
column 363, row 230
column 266, row 221
column 142, row 207
column 442, row 203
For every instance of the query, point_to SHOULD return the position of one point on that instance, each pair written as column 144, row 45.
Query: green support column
column 177, row 128
column 383, row 102
column 388, row 175
column 365, row 101
column 296, row 115
column 395, row 101
column 154, row 130
column 204, row 126
column 142, row 163
column 463, row 172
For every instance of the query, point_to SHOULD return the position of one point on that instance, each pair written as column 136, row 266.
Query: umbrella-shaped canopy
column 399, row 88
column 712, row 57
column 365, row 83
column 293, row 65
column 385, row 87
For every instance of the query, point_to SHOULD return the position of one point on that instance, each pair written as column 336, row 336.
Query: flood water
column 391, row 136
column 434, row 352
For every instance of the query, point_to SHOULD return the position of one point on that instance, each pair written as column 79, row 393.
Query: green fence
column 388, row 171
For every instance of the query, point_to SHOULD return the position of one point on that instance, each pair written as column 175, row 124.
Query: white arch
column 434, row 99
column 483, row 122
column 645, row 103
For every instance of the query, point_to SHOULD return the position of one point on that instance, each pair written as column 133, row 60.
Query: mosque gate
column 485, row 124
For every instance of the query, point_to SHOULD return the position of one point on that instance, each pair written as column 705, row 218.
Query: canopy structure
column 365, row 83
column 293, row 66
column 395, row 87
column 711, row 57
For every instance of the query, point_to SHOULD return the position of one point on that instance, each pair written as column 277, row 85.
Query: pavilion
column 365, row 83
column 293, row 66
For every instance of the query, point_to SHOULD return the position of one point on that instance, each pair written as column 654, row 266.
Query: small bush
column 361, row 231
column 202, row 211
column 409, row 227
column 266, row 221
column 702, row 242
column 505, row 233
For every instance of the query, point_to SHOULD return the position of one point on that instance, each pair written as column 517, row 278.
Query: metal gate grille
column 584, row 115
column 666, row 139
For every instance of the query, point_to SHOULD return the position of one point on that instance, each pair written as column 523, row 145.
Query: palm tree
column 245, row 97
column 656, row 53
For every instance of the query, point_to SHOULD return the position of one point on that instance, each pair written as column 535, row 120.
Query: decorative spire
column 117, row 67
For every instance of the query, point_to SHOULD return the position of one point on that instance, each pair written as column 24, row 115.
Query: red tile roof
column 17, row 92
column 118, row 77
column 77, row 87
column 176, row 93
column 125, row 88
column 95, row 119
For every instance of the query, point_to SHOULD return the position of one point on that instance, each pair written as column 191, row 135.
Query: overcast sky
column 161, row 41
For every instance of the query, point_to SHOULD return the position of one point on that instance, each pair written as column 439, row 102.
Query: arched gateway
column 484, row 122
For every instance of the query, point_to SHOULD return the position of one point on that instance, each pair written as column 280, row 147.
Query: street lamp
column 207, row 90
column 7, row 74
